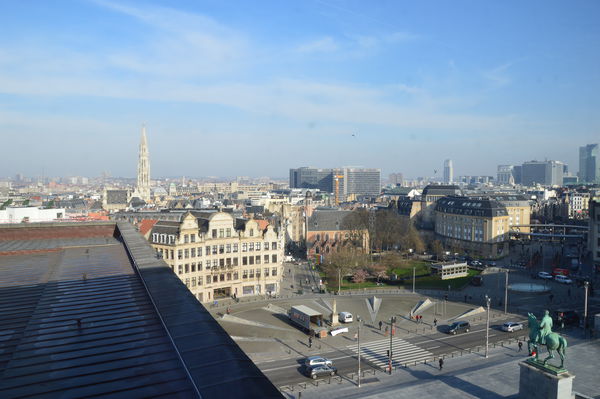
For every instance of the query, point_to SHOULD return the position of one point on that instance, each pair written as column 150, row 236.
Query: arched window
column 318, row 237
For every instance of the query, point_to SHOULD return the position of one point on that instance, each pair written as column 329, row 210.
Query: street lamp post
column 414, row 272
column 391, row 354
column 585, row 307
column 487, row 327
column 506, row 293
column 339, row 281
column 358, row 336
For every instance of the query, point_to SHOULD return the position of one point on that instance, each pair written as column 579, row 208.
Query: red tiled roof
column 146, row 225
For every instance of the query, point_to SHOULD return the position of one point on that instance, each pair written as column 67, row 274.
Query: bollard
column 299, row 395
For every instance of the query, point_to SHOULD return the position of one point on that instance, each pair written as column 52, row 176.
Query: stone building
column 218, row 256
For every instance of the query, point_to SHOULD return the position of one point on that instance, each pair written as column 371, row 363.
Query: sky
column 253, row 88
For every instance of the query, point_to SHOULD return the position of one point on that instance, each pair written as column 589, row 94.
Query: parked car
column 512, row 326
column 563, row 279
column 545, row 275
column 312, row 361
column 459, row 327
column 316, row 371
column 345, row 317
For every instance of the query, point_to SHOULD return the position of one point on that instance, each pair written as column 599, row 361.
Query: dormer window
column 251, row 232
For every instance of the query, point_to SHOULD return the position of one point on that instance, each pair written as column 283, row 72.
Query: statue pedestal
column 535, row 383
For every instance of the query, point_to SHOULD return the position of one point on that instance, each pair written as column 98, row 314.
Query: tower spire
column 143, row 170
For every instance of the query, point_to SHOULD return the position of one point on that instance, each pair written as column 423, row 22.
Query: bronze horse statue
column 554, row 341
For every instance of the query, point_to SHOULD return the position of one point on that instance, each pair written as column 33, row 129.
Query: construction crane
column 337, row 187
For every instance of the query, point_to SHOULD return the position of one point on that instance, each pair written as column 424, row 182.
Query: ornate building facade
column 142, row 188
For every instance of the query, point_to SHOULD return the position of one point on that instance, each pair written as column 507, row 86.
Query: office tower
column 546, row 173
column 359, row 181
column 448, row 171
column 308, row 177
column 505, row 174
column 143, row 170
column 589, row 163
column 396, row 179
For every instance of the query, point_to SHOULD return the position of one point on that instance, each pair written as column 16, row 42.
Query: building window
column 193, row 252
column 215, row 263
column 221, row 233
column 228, row 248
column 266, row 246
column 221, row 277
column 257, row 246
column 236, row 275
column 244, row 247
column 251, row 260
column 258, row 259
column 199, row 251
column 180, row 269
column 208, row 279
column 245, row 274
column 207, row 250
column 235, row 261
column 274, row 271
column 274, row 245
column 187, row 282
column 214, row 249
column 228, row 262
column 266, row 258
column 251, row 232
column 200, row 280
column 257, row 273
column 187, row 267
column 228, row 276
column 199, row 266
column 193, row 281
column 214, row 233
column 193, row 267
column 193, row 237
column 221, row 249
column 222, row 263
column 266, row 272
column 251, row 273
column 187, row 253
column 251, row 246
column 172, row 254
column 244, row 260
column 179, row 254
column 274, row 259
column 186, row 238
column 235, row 248
column 228, row 232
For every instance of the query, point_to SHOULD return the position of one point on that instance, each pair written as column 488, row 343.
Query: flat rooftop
column 87, row 310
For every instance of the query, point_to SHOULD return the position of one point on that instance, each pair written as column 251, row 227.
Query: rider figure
column 545, row 328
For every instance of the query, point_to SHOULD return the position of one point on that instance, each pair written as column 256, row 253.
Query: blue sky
column 247, row 88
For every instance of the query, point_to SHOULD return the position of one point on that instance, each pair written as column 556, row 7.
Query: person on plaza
column 520, row 346
column 435, row 322
column 228, row 310
column 310, row 342
column 441, row 362
column 380, row 324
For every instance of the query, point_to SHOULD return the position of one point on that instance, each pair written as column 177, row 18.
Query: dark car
column 459, row 327
column 566, row 317
column 322, row 370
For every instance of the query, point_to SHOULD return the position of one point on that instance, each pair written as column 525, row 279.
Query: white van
column 345, row 317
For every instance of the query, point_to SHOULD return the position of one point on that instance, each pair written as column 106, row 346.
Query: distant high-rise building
column 589, row 163
column 448, row 171
column 396, row 179
column 307, row 177
column 546, row 173
column 505, row 174
column 143, row 170
column 359, row 181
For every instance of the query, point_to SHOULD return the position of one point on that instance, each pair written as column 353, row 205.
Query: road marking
column 433, row 347
column 403, row 352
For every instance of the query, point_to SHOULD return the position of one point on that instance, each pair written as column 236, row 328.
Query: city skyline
column 399, row 87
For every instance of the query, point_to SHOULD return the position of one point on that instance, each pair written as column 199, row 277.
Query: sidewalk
column 469, row 376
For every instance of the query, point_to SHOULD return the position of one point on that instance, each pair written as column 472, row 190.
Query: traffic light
column 393, row 319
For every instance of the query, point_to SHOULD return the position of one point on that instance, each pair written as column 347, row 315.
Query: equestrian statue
column 540, row 333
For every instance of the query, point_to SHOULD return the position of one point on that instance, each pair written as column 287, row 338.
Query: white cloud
column 323, row 45
column 499, row 75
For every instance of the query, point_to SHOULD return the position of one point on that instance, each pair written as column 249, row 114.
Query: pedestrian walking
column 520, row 346
column 310, row 342
column 228, row 310
column 435, row 322
column 441, row 363
column 380, row 324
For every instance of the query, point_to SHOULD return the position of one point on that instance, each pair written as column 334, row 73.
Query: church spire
column 143, row 171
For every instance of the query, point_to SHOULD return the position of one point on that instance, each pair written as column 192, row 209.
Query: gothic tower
column 143, row 170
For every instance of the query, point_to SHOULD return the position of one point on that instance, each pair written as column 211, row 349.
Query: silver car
column 512, row 326
column 317, row 361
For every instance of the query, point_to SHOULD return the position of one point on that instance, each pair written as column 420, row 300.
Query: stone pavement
column 469, row 376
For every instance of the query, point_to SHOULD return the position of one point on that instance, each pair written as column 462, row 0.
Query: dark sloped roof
column 116, row 196
column 166, row 227
column 471, row 206
column 441, row 190
column 327, row 220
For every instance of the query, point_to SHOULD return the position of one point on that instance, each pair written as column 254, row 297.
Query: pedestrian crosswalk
column 403, row 352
